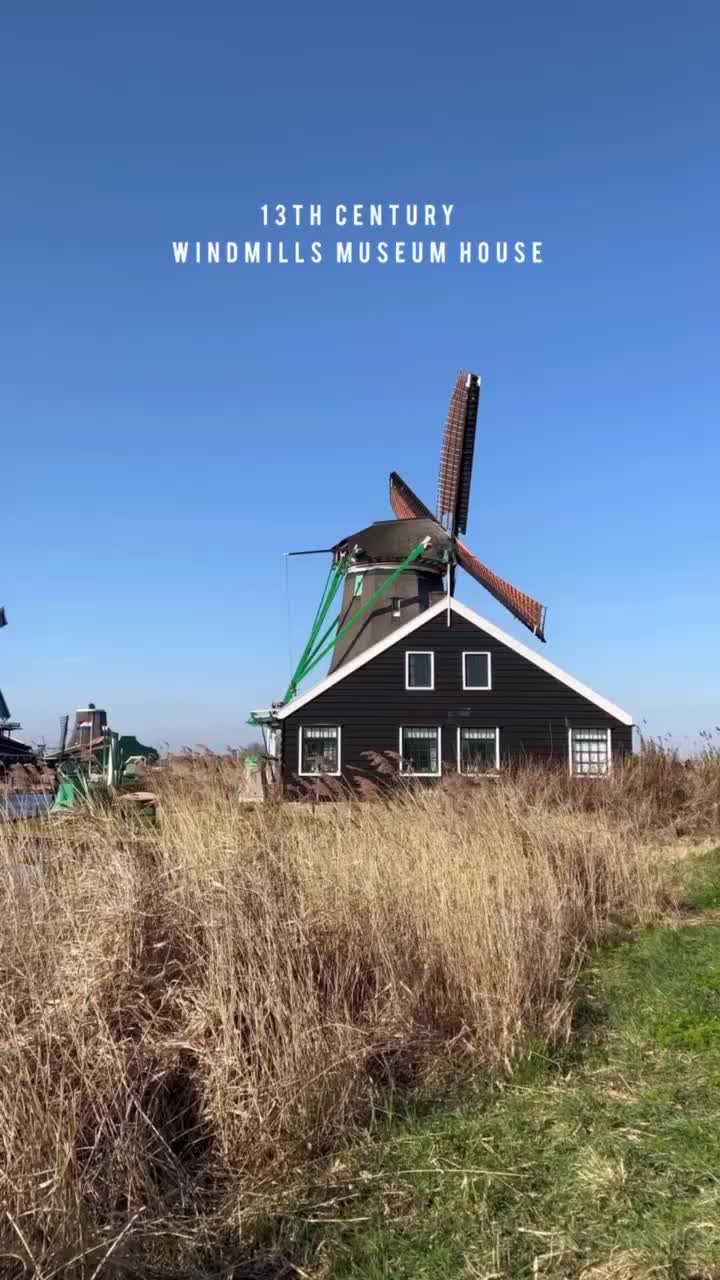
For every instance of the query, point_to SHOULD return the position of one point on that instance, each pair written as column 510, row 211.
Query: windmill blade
column 405, row 503
column 456, row 455
column 523, row 607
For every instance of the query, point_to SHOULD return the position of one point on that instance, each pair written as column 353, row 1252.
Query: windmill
column 394, row 569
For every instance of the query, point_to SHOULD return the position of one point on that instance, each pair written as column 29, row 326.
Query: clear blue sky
column 168, row 433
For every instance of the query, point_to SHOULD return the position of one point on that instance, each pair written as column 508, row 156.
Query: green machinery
column 93, row 771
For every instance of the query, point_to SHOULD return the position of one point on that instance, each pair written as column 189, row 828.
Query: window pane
column 477, row 751
column 419, row 670
column 319, row 749
column 420, row 750
column 477, row 670
column 590, row 751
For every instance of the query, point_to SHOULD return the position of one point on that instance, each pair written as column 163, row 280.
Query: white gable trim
column 477, row 620
column 583, row 689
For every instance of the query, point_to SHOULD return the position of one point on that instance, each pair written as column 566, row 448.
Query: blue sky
column 169, row 432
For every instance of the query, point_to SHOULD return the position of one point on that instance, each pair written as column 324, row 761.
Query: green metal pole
column 332, row 583
column 308, row 661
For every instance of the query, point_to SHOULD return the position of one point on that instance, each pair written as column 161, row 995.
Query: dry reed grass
column 190, row 1016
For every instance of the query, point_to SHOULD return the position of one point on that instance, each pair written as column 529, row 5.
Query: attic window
column 476, row 671
column 590, row 752
column 319, row 749
column 357, row 589
column 420, row 670
column 396, row 606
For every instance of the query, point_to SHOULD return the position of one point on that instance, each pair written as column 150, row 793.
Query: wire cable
column 291, row 666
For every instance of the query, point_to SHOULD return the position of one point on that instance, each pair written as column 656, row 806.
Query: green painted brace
column 315, row 651
column 332, row 584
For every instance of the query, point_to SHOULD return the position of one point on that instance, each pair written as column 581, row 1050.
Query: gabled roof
column 477, row 620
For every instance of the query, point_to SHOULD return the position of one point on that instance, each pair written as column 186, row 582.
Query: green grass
column 600, row 1159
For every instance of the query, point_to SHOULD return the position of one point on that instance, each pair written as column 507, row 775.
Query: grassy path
column 603, row 1163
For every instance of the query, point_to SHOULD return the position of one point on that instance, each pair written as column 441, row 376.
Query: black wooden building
column 448, row 691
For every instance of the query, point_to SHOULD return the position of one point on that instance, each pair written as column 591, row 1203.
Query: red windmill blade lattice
column 456, row 454
column 524, row 607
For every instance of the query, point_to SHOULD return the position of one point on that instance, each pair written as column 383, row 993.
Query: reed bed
column 193, row 1017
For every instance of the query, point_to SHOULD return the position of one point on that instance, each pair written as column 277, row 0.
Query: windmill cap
column 391, row 541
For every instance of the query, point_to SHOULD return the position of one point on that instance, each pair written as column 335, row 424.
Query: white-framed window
column 419, row 669
column 477, row 670
column 357, row 589
column 396, row 602
column 478, row 750
column 319, row 749
column 590, row 751
column 420, row 751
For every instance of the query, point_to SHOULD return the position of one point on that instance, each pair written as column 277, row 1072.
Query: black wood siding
column 532, row 709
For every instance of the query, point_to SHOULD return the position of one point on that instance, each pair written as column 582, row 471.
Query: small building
column 448, row 691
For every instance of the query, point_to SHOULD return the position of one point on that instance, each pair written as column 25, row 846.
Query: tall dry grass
column 190, row 1016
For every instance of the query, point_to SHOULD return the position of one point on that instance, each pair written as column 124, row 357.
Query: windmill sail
column 456, row 457
column 405, row 503
column 525, row 609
